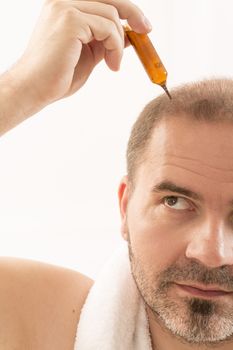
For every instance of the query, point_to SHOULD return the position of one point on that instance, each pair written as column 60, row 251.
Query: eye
column 177, row 203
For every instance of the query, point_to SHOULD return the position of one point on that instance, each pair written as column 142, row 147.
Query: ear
column 123, row 197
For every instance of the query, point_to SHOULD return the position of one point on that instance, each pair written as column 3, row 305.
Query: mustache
column 193, row 271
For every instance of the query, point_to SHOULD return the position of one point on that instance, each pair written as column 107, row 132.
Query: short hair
column 210, row 100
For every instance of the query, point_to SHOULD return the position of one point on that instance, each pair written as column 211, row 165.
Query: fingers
column 103, row 30
column 130, row 12
column 102, row 10
column 105, row 26
column 100, row 21
column 103, row 18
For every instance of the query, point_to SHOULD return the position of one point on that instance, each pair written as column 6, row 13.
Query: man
column 177, row 210
column 176, row 201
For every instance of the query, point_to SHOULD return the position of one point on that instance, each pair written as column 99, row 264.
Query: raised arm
column 70, row 38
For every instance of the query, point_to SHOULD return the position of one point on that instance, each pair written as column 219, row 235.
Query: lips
column 203, row 291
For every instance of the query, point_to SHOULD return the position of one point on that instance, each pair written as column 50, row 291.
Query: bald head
column 209, row 100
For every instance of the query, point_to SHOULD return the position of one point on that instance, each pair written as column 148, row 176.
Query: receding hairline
column 207, row 100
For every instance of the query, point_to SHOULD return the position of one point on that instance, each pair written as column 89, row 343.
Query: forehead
column 183, row 147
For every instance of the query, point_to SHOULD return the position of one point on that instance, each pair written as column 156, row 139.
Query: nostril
column 210, row 253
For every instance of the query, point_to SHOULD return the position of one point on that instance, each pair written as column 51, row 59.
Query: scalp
column 207, row 100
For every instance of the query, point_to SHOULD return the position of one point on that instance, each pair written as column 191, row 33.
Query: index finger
column 132, row 13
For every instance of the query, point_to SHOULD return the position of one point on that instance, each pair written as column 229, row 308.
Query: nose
column 211, row 244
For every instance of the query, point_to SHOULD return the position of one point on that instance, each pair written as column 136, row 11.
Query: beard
column 193, row 320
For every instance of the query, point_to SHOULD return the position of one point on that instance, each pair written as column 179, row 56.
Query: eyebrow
column 172, row 187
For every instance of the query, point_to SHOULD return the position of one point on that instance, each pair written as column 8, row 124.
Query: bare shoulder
column 40, row 304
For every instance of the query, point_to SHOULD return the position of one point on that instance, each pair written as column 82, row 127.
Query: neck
column 163, row 339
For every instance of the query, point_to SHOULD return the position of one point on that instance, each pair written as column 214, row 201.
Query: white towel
column 114, row 316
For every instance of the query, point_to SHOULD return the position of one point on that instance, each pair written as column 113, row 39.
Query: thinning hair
column 210, row 100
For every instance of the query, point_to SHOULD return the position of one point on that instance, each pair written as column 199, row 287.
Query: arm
column 40, row 305
column 70, row 38
column 17, row 100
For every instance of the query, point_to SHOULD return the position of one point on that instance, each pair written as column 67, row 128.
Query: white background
column 59, row 170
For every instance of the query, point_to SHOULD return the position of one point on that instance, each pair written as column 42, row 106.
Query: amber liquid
column 148, row 56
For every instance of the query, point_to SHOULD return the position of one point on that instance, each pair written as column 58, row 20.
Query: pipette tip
column 166, row 90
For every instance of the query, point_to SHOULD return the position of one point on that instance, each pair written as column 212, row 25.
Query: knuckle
column 54, row 5
column 113, row 12
column 112, row 36
column 69, row 14
column 115, row 33
column 62, row 13
column 84, row 32
column 109, row 28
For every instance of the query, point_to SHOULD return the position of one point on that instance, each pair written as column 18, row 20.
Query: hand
column 70, row 38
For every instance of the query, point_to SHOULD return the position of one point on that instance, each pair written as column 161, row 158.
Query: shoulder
column 40, row 304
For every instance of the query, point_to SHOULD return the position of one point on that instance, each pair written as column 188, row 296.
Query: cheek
column 153, row 237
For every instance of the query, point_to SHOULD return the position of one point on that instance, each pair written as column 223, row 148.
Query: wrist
column 18, row 98
column 21, row 85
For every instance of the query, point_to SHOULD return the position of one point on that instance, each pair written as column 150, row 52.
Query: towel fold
column 114, row 315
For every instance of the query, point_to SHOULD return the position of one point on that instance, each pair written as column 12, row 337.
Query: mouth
column 203, row 291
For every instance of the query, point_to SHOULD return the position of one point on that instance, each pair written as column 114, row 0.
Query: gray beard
column 192, row 320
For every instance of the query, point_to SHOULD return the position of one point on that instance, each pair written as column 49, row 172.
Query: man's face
column 179, row 224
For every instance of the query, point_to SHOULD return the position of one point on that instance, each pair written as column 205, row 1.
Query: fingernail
column 147, row 23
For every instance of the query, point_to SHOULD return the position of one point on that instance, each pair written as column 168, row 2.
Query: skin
column 38, row 311
column 60, row 57
column 190, row 233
